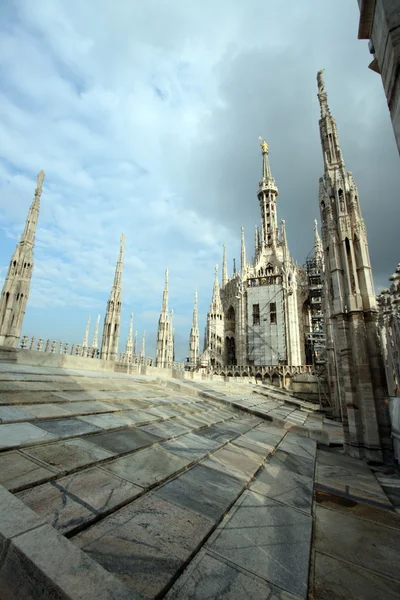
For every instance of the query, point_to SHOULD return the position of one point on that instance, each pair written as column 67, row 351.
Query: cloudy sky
column 146, row 116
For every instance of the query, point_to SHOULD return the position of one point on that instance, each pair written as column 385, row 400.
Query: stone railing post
column 31, row 347
column 39, row 345
column 53, row 346
column 47, row 346
column 24, row 342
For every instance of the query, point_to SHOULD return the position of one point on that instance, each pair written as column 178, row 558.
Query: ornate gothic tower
column 112, row 320
column 352, row 301
column 194, row 337
column 17, row 283
column 164, row 333
column 214, row 342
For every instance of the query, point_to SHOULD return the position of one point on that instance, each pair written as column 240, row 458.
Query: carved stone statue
column 320, row 81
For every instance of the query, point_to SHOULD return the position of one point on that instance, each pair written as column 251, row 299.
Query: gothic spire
column 129, row 341
column 112, row 319
column 243, row 253
column 85, row 342
column 164, row 308
column 135, row 344
column 216, row 304
column 194, row 337
column 317, row 243
column 164, row 332
column 267, row 182
column 28, row 236
column 142, row 349
column 267, row 194
column 17, row 283
column 224, row 269
column 331, row 150
column 95, row 342
column 256, row 240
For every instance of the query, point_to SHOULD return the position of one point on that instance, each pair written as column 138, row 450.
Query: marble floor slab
column 124, row 440
column 22, row 434
column 264, row 438
column 108, row 421
column 236, row 461
column 357, row 484
column 191, row 446
column 167, row 429
column 334, row 578
column 68, row 455
column 46, row 411
column 284, row 486
column 147, row 467
column 12, row 414
column 299, row 445
column 291, row 462
column 138, row 416
column 88, row 408
column 363, row 543
column 209, row 576
column 203, row 490
column 262, row 450
column 145, row 543
column 268, row 539
column 71, row 501
column 67, row 427
column 18, row 471
column 220, row 432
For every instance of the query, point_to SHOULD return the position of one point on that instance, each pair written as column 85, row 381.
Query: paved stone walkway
column 195, row 490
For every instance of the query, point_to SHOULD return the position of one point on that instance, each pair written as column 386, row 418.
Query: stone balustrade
column 57, row 347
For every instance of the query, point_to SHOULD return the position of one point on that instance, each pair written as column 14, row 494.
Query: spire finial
column 224, row 267
column 264, row 145
column 243, row 253
column 39, row 180
column 322, row 95
column 86, row 337
column 164, row 308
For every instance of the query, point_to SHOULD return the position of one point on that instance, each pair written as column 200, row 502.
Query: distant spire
column 164, row 308
column 331, row 150
column 283, row 232
column 267, row 182
column 216, row 304
column 16, row 286
column 243, row 253
column 95, row 342
column 28, row 236
column 234, row 266
column 86, row 338
column 195, row 312
column 224, row 269
column 135, row 344
column 256, row 239
column 194, row 337
column 142, row 349
column 317, row 242
column 112, row 319
column 129, row 341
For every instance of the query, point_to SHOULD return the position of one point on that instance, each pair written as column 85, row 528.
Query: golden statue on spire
column 264, row 145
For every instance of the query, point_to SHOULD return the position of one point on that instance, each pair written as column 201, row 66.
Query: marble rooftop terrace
column 124, row 487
